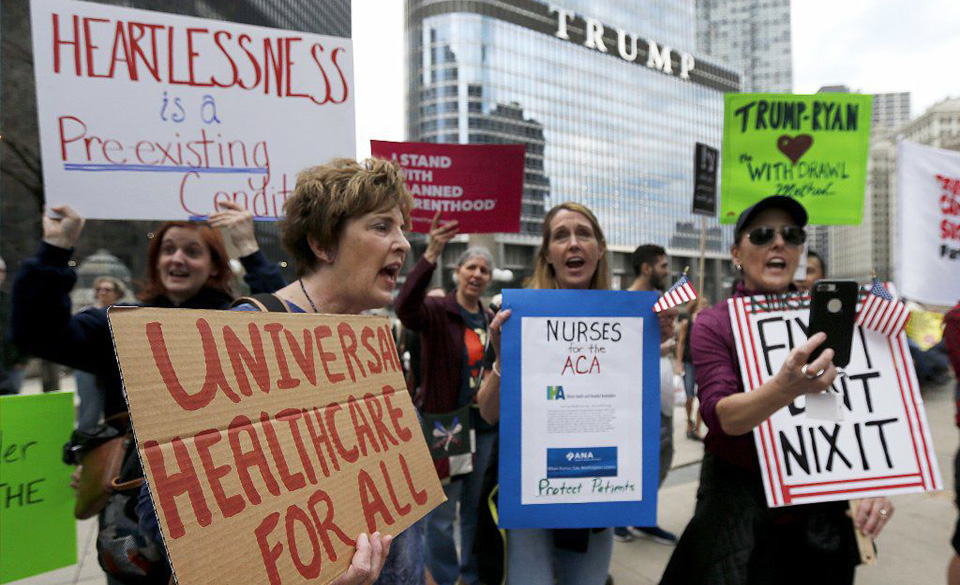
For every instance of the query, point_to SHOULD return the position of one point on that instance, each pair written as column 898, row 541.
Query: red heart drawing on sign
column 795, row 148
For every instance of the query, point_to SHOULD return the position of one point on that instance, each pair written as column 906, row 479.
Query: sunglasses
column 763, row 235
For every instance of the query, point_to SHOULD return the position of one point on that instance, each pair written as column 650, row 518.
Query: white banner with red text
column 928, row 196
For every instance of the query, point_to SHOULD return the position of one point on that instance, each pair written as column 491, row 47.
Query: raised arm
column 262, row 275
column 409, row 303
column 42, row 323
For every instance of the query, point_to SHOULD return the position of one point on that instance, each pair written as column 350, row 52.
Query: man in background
column 816, row 270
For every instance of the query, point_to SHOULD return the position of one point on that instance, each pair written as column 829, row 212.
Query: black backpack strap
column 264, row 302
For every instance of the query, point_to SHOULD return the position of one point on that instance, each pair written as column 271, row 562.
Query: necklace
column 304, row 289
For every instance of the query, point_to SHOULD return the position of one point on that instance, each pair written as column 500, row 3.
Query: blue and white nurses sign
column 580, row 409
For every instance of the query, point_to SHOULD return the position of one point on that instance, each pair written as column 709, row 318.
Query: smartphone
column 833, row 310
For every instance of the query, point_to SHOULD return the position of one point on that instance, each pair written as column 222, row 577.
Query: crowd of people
column 344, row 230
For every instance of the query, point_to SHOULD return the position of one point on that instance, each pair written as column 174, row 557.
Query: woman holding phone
column 572, row 256
column 734, row 538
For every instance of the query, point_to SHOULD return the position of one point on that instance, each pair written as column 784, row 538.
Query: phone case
column 833, row 310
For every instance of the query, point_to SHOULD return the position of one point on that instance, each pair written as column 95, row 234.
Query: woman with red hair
column 188, row 267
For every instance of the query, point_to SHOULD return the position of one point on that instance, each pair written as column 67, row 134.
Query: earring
column 738, row 267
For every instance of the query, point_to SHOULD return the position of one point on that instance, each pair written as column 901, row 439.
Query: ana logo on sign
column 580, row 456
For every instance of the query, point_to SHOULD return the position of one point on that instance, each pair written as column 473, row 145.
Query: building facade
column 939, row 126
column 751, row 36
column 608, row 97
column 859, row 251
column 890, row 110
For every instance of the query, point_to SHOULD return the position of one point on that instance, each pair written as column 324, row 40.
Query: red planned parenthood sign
column 479, row 185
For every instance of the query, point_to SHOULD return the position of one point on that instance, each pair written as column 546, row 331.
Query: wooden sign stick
column 868, row 554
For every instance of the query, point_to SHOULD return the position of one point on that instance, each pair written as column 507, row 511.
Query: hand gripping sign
column 881, row 445
column 270, row 441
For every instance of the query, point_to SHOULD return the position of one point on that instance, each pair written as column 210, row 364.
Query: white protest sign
column 928, row 267
column 146, row 115
column 882, row 445
column 583, row 418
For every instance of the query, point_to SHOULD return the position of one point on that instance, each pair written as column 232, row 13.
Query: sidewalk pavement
column 914, row 547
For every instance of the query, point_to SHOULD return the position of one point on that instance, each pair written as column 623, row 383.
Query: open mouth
column 575, row 262
column 391, row 272
column 777, row 264
column 178, row 273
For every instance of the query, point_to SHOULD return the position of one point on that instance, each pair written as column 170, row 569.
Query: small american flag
column 679, row 293
column 881, row 312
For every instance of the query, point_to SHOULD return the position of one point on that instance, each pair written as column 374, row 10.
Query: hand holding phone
column 833, row 310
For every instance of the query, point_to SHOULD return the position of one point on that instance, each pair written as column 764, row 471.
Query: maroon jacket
column 441, row 330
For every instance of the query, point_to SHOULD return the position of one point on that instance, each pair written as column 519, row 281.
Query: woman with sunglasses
column 734, row 538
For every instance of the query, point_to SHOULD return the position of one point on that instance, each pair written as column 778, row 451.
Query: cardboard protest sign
column 809, row 147
column 479, row 185
column 880, row 447
column 580, row 409
column 270, row 441
column 928, row 203
column 37, row 530
column 146, row 115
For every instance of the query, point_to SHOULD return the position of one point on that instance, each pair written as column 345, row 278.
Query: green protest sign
column 37, row 529
column 809, row 147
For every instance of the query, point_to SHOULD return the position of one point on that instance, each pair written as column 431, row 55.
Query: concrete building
column 609, row 99
column 751, row 36
column 890, row 110
column 939, row 126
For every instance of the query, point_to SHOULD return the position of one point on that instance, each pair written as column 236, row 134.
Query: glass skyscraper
column 608, row 97
column 752, row 36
